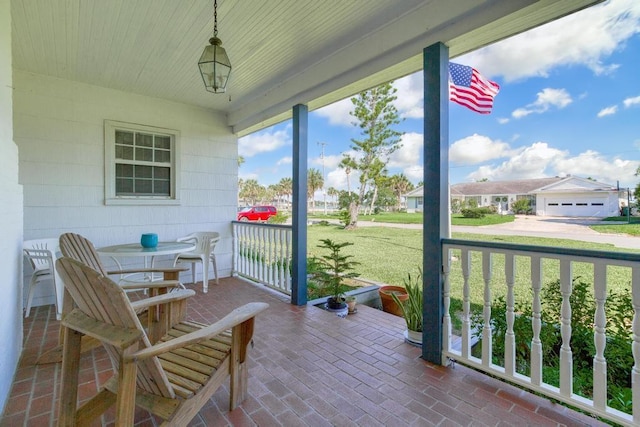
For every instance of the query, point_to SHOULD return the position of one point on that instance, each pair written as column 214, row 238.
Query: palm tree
column 347, row 163
column 286, row 187
column 400, row 184
column 333, row 193
column 252, row 191
column 315, row 181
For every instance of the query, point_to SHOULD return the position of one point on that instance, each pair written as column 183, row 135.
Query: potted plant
column 330, row 271
column 411, row 307
column 351, row 303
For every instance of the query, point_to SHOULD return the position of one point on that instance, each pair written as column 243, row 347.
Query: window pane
column 124, row 186
column 123, row 137
column 144, row 140
column 124, row 171
column 124, row 152
column 162, row 156
column 144, row 172
column 161, row 173
column 144, row 154
column 163, row 142
column 143, row 186
column 161, row 188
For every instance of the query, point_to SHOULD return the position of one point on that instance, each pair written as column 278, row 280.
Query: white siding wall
column 10, row 218
column 58, row 126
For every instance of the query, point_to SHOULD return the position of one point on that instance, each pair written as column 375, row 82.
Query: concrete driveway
column 553, row 227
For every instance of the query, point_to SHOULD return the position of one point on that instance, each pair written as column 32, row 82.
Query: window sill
column 141, row 201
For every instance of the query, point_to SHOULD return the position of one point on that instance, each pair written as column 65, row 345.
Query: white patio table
column 137, row 250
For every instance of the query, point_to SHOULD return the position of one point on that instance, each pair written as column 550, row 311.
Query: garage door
column 576, row 206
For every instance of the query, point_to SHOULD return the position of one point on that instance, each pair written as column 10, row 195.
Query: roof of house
column 521, row 186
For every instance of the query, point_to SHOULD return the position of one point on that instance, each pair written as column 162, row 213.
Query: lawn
column 619, row 225
column 416, row 218
column 387, row 254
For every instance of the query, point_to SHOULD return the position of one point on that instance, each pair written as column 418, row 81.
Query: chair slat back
column 41, row 253
column 205, row 242
column 102, row 299
column 81, row 249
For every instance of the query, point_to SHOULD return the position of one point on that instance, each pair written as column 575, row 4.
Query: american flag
column 467, row 87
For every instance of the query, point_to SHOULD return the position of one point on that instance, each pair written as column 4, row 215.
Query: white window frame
column 110, row 127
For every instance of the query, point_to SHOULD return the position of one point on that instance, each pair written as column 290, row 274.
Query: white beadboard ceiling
column 283, row 52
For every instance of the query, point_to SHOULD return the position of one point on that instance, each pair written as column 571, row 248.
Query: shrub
column 278, row 218
column 619, row 314
column 473, row 212
column 522, row 206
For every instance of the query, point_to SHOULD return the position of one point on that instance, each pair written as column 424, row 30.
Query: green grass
column 416, row 218
column 387, row 254
column 619, row 225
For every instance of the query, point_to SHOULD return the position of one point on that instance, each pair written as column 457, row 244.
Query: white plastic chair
column 205, row 244
column 42, row 255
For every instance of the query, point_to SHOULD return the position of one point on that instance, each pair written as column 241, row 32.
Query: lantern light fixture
column 214, row 64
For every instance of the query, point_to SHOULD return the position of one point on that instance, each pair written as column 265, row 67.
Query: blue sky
column 569, row 104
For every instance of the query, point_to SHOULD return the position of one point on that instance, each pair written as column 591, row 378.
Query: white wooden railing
column 457, row 256
column 262, row 252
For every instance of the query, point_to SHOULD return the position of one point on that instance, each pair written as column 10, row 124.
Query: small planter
column 340, row 312
column 388, row 304
column 413, row 337
column 351, row 304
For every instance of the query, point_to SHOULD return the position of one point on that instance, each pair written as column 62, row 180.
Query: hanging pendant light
column 214, row 63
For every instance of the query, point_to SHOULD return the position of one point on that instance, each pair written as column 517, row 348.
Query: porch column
column 299, row 207
column 436, row 194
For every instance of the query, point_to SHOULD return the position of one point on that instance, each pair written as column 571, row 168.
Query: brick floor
column 308, row 367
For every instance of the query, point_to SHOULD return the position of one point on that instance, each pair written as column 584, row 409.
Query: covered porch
column 308, row 367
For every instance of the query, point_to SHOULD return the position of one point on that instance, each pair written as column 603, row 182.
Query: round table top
column 136, row 249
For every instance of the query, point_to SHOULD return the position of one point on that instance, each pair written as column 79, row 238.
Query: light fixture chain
column 215, row 18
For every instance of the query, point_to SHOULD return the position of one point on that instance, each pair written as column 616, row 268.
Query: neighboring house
column 567, row 196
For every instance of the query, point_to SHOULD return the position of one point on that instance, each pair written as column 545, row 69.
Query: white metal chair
column 42, row 255
column 205, row 244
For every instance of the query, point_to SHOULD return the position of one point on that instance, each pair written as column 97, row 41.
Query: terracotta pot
column 388, row 304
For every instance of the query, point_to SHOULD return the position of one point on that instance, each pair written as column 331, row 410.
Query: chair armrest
column 162, row 299
column 110, row 334
column 236, row 317
column 151, row 285
column 149, row 270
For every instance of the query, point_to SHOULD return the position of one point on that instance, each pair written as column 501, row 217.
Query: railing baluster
column 635, row 346
column 446, row 294
column 536, row 344
column 487, row 346
column 600, row 337
column 566, row 355
column 510, row 337
column 263, row 253
column 465, row 263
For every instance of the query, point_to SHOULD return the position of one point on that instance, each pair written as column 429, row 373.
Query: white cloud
column 546, row 99
column 525, row 163
column 337, row 113
column 608, row 111
column 263, row 142
column 631, row 101
column 409, row 96
column 540, row 160
column 477, row 149
column 409, row 154
column 583, row 38
column 284, row 161
column 503, row 120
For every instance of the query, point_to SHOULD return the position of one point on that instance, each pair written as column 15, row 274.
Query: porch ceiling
column 283, row 52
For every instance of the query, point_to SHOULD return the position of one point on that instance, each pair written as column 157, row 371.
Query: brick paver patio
column 308, row 367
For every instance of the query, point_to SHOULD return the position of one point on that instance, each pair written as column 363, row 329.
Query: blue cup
column 149, row 240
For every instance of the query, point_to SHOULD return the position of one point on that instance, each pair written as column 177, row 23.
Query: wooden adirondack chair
column 172, row 379
column 81, row 249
